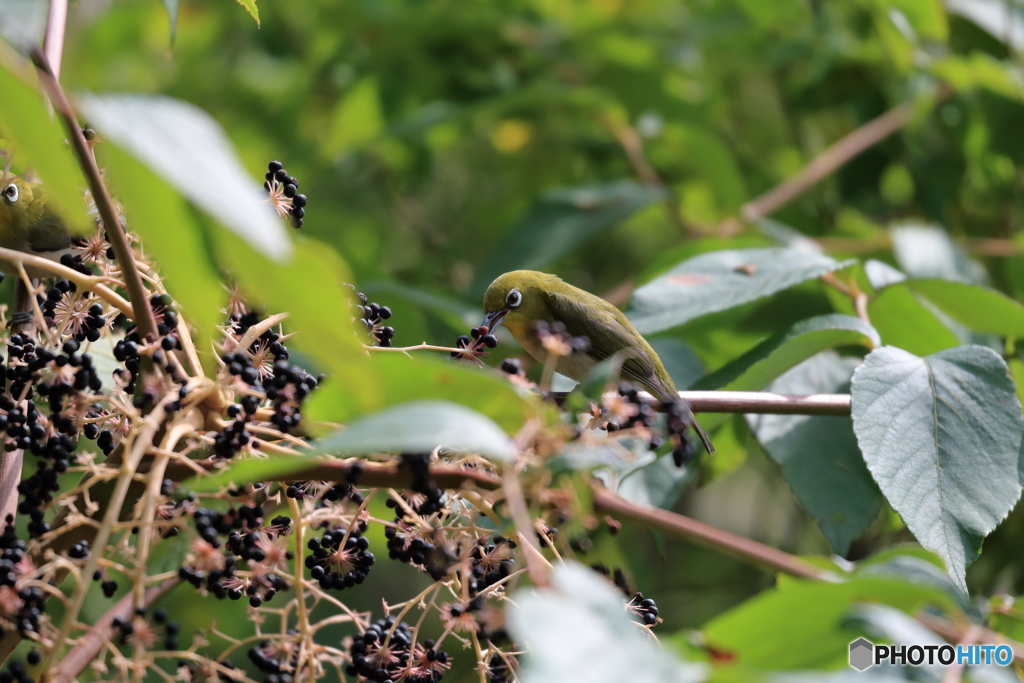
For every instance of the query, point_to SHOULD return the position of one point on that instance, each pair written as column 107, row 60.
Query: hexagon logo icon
column 861, row 654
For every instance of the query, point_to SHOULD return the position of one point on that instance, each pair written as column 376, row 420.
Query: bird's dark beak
column 492, row 320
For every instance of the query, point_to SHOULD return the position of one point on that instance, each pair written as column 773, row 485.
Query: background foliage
column 442, row 143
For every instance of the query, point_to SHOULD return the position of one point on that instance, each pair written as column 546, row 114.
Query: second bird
column 522, row 298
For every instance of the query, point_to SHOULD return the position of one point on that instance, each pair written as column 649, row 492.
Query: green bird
column 28, row 222
column 522, row 298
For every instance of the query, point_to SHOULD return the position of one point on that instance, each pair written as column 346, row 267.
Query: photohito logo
column 864, row 653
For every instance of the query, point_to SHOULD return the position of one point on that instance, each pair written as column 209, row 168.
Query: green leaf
column 23, row 23
column 682, row 362
column 941, row 436
column 720, row 280
column 801, row 624
column 173, row 239
column 926, row 251
column 756, row 369
column 187, row 148
column 251, row 470
column 903, row 320
column 818, row 455
column 250, row 7
column 563, row 220
column 978, row 308
column 578, row 632
column 658, row 484
column 926, row 17
column 420, row 427
column 978, row 70
column 361, row 386
column 357, row 119
column 37, row 137
column 318, row 312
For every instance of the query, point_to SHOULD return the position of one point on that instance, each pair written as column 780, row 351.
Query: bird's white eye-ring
column 11, row 193
column 513, row 299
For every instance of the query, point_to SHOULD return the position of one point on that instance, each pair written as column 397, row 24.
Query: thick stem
column 89, row 646
column 692, row 530
column 142, row 312
column 53, row 42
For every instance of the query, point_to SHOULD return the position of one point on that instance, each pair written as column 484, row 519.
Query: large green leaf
column 420, row 427
column 563, row 220
column 978, row 308
column 365, row 385
column 682, row 362
column 801, row 624
column 757, row 368
column 173, row 238
column 941, row 436
column 818, row 455
column 250, row 470
column 186, row 147
column 36, row 136
column 308, row 287
column 720, row 280
column 904, row 321
column 578, row 632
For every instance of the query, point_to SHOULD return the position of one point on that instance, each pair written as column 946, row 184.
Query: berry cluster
column 62, row 303
column 284, row 193
column 277, row 662
column 474, row 348
column 645, row 608
column 140, row 630
column 491, row 562
column 340, row 560
column 247, row 541
column 75, row 262
column 24, row 606
column 16, row 673
column 555, row 338
column 372, row 315
column 385, row 652
column 679, row 422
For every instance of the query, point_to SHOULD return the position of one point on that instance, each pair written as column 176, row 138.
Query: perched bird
column 29, row 223
column 522, row 298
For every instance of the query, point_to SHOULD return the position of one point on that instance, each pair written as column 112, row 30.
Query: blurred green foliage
column 441, row 140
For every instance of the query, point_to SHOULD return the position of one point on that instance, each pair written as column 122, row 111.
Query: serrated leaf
column 941, row 436
column 577, row 631
column 720, row 280
column 563, row 220
column 757, row 368
column 250, row 7
column 420, row 427
column 38, row 139
column 818, row 455
column 187, row 148
column 979, row 308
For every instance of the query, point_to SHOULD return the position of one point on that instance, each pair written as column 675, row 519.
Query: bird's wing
column 49, row 233
column 608, row 336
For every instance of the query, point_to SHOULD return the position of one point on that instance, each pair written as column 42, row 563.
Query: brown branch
column 823, row 165
column 53, row 42
column 143, row 313
column 763, row 402
column 690, row 529
column 89, row 645
column 449, row 476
